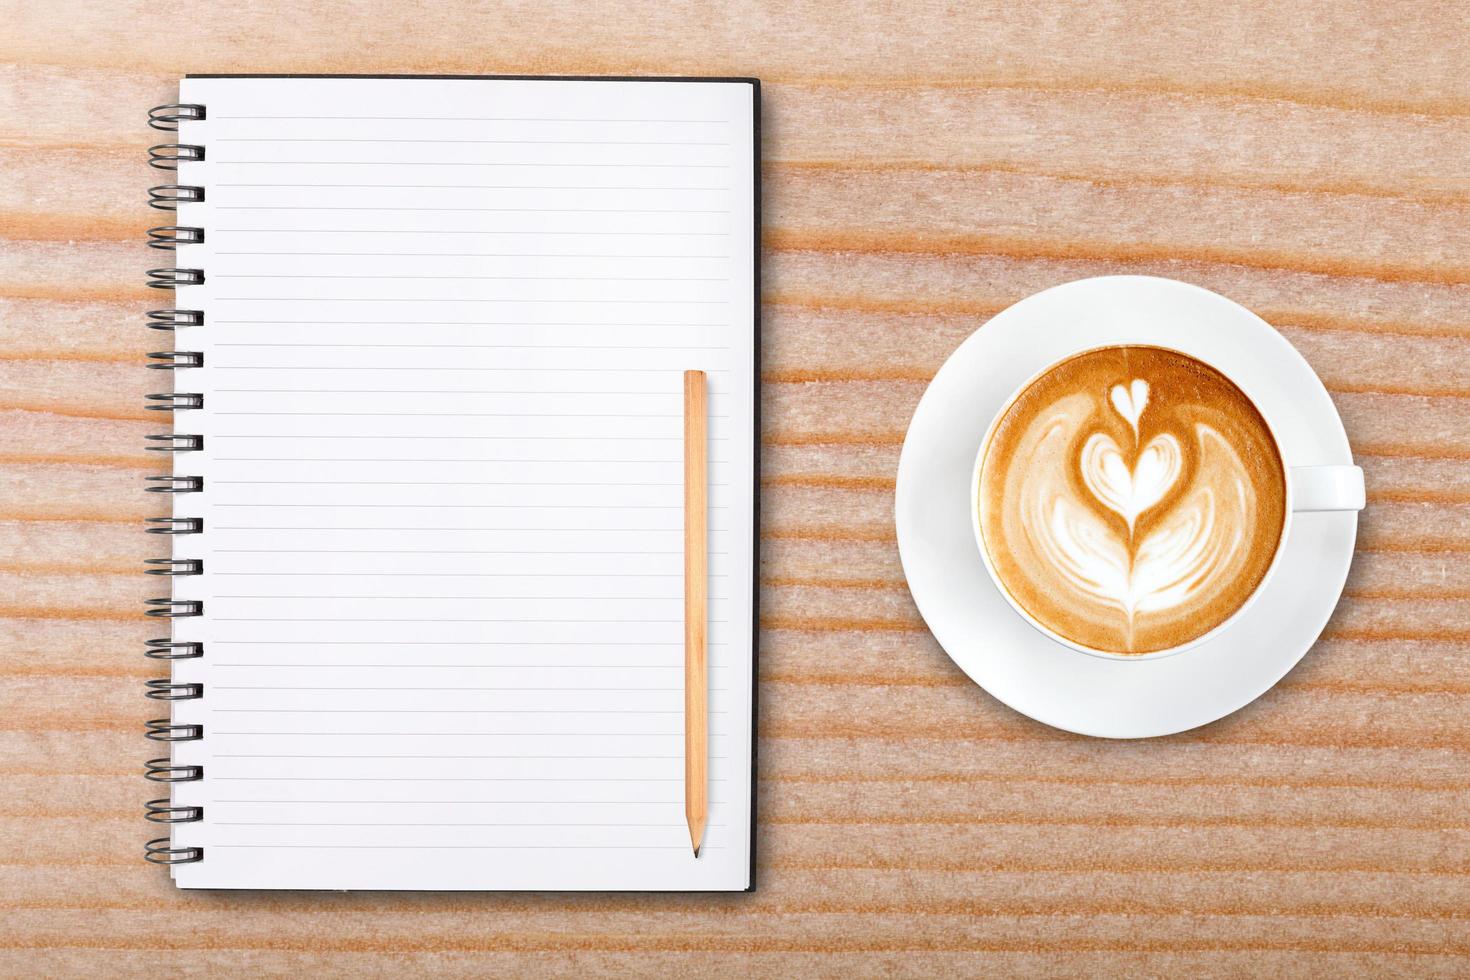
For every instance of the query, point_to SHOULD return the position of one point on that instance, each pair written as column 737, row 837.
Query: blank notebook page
column 446, row 322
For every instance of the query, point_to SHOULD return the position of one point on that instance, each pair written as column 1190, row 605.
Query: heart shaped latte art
column 1157, row 570
column 1130, row 401
column 1128, row 501
column 1130, row 492
column 1135, row 573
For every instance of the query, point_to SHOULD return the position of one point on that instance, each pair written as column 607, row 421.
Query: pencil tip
column 696, row 850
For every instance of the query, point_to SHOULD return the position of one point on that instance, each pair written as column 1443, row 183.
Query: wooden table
column 925, row 164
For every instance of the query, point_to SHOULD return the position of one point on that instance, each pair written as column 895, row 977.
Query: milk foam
column 1132, row 514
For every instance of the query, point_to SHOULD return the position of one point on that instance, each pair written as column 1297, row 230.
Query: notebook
column 427, row 507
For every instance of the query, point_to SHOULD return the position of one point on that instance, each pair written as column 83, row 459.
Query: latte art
column 1131, row 499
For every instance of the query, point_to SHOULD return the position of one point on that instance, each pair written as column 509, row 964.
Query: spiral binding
column 175, row 484
column 168, row 197
column 174, row 525
column 171, row 278
column 161, row 690
column 158, row 850
column 164, row 771
column 170, row 237
column 174, row 566
column 175, row 401
column 162, row 811
column 170, row 319
column 168, row 117
column 174, row 608
column 164, row 730
column 168, row 156
column 164, row 648
column 172, row 360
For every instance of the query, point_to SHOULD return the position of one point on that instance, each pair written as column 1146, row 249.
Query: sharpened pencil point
column 696, row 850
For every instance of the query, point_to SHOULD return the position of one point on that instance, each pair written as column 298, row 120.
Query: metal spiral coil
column 166, row 118
column 160, row 851
column 164, row 771
column 164, row 811
column 175, row 442
column 173, row 278
column 164, row 730
column 175, row 401
column 168, row 197
column 175, row 525
column 172, row 319
column 168, row 156
column 170, row 237
column 175, row 484
column 174, row 608
column 174, row 567
column 162, row 690
column 172, row 360
column 166, row 648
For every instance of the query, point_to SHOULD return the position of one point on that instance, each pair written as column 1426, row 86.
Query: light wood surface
column 926, row 163
column 696, row 606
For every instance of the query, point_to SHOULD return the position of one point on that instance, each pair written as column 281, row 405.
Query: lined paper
column 446, row 323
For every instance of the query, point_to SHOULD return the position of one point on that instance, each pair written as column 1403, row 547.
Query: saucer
column 967, row 614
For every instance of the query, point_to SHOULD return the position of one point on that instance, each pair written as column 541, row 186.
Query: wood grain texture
column 926, row 164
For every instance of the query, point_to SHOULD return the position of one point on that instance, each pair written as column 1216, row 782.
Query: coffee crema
column 1131, row 499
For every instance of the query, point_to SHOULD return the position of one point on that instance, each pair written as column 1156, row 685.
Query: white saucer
column 1001, row 652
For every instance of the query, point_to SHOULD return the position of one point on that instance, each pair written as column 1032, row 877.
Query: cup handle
column 1318, row 488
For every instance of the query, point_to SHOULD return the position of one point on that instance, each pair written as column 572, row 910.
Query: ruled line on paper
column 461, row 209
column 657, row 188
column 536, row 665
column 475, row 415
column 458, row 734
column 458, row 711
column 397, row 574
column 444, row 506
column 434, row 367
column 496, row 689
column 334, row 527
column 522, row 323
column 422, row 299
column 529, row 666
column 416, row 551
column 434, row 391
column 320, row 345
column 436, row 483
column 311, row 461
column 462, row 802
column 463, row 254
column 556, row 119
column 448, row 643
column 401, row 139
column 467, row 231
column 399, row 276
column 560, row 620
column 468, row 163
column 473, row 598
column 438, row 823
column 464, row 847
column 455, row 779
column 581, row 438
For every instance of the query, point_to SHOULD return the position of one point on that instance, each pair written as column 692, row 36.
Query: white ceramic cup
column 1308, row 488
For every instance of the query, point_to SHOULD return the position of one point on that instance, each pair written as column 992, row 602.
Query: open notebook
column 427, row 551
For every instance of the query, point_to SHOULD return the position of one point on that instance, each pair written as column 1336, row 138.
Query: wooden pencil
column 696, row 671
